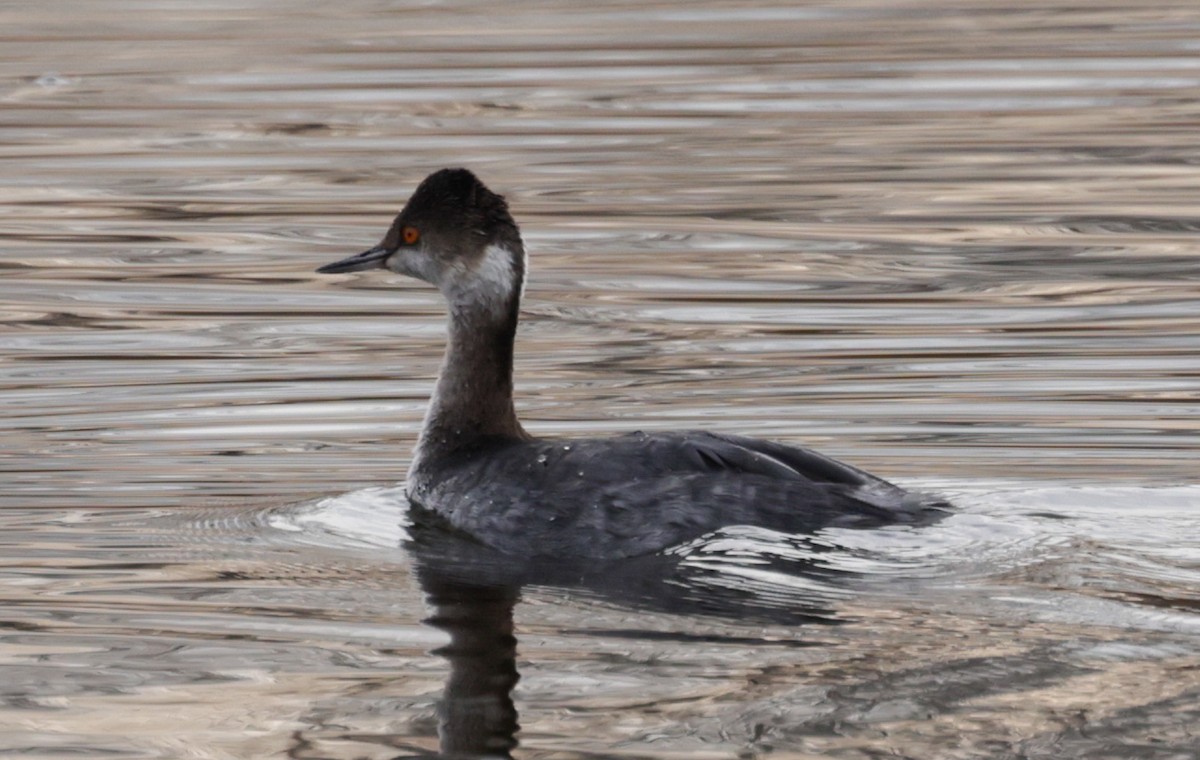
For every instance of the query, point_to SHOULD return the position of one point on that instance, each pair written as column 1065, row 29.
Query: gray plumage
column 477, row 468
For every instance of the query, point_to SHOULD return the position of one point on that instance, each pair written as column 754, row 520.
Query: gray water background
column 954, row 243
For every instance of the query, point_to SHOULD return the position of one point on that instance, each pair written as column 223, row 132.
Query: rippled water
column 954, row 243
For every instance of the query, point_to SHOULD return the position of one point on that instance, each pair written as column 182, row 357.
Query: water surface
column 954, row 244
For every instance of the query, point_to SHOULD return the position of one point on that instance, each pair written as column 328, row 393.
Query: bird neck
column 473, row 399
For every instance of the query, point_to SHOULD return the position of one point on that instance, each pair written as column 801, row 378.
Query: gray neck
column 474, row 395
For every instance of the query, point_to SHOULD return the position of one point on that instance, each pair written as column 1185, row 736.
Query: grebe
column 602, row 498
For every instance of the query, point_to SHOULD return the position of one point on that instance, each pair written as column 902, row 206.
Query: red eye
column 410, row 235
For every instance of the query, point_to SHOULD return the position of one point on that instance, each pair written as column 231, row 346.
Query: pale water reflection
column 952, row 243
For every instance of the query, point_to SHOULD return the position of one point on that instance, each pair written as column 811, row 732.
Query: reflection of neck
column 476, row 715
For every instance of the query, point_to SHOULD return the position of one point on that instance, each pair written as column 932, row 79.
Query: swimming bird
column 477, row 468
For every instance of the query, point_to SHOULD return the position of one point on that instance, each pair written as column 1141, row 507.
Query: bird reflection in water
column 476, row 716
column 474, row 592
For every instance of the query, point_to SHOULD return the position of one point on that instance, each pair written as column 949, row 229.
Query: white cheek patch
column 490, row 286
column 495, row 271
column 413, row 263
column 524, row 271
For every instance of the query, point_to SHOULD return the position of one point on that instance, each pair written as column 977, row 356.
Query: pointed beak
column 372, row 259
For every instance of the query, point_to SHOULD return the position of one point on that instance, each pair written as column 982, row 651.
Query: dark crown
column 455, row 198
